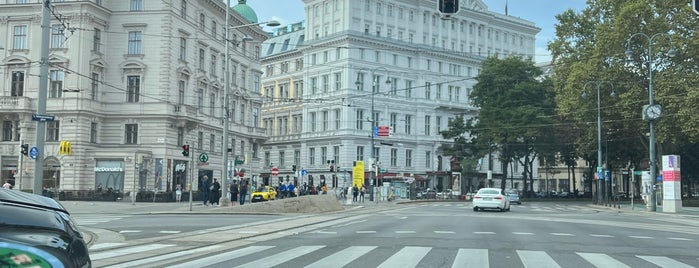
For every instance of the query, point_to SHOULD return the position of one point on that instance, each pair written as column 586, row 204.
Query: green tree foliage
column 590, row 46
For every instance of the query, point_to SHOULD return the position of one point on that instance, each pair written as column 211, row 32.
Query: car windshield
column 487, row 191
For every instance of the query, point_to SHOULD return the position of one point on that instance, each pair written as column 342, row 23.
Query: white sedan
column 491, row 198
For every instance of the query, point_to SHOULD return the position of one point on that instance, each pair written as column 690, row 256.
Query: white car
column 491, row 198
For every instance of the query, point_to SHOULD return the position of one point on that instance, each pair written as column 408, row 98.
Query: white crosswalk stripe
column 409, row 256
column 92, row 220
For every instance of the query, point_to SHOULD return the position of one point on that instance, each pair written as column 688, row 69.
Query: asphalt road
column 415, row 235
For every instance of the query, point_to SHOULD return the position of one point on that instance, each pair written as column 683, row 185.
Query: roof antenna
column 505, row 7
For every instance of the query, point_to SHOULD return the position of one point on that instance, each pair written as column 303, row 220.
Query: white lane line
column 365, row 232
column 324, row 232
column 129, row 231
column 601, row 235
column 105, row 245
column 664, row 262
column 248, row 232
column 679, row 239
column 169, row 232
column 536, row 259
column 405, row 232
column 562, row 234
column 174, row 255
column 343, row 257
column 443, row 232
column 281, row 257
column 471, row 258
column 406, row 257
column 484, row 232
column 222, row 257
column 602, row 260
column 640, row 237
column 518, row 233
column 126, row 251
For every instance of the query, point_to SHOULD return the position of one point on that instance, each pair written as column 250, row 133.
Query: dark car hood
column 17, row 197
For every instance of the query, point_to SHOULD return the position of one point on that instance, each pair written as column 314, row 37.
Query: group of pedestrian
column 238, row 191
column 358, row 193
column 286, row 190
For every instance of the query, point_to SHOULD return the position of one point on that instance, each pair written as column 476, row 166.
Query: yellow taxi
column 264, row 193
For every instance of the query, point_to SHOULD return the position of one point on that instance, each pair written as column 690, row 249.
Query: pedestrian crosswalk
column 389, row 256
column 96, row 219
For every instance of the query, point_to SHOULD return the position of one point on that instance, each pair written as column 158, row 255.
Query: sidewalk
column 638, row 207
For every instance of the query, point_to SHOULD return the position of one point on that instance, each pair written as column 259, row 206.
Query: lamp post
column 374, row 123
column 600, row 167
column 651, row 112
column 227, row 89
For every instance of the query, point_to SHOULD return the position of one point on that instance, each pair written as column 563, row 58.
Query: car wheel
column 475, row 208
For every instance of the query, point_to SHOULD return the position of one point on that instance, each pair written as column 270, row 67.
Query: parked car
column 514, row 197
column 37, row 231
column 491, row 198
column 265, row 193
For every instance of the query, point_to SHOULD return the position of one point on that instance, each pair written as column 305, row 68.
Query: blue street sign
column 376, row 131
column 304, row 172
column 34, row 152
column 43, row 117
column 607, row 175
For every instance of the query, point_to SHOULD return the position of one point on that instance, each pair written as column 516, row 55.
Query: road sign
column 43, row 117
column 275, row 171
column 304, row 172
column 34, row 152
column 203, row 157
column 376, row 131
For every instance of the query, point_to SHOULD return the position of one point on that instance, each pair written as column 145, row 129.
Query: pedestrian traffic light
column 185, row 150
column 332, row 168
column 449, row 6
column 293, row 168
column 25, row 149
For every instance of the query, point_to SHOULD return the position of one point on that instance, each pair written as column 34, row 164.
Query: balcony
column 16, row 104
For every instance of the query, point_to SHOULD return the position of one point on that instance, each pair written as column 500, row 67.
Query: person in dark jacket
column 233, row 189
column 215, row 192
column 205, row 185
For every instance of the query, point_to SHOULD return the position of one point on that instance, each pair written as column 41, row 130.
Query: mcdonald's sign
column 65, row 148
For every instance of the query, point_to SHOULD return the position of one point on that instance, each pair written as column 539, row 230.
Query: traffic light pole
column 41, row 98
column 20, row 167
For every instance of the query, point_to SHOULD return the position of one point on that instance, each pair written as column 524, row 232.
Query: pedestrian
column 362, row 191
column 243, row 190
column 282, row 191
column 233, row 189
column 355, row 193
column 178, row 193
column 205, row 188
column 215, row 192
column 7, row 185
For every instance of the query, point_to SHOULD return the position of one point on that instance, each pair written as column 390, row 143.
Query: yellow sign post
column 358, row 174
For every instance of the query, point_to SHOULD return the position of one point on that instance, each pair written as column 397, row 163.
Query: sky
column 541, row 12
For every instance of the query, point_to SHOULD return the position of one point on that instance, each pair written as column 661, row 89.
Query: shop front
column 109, row 174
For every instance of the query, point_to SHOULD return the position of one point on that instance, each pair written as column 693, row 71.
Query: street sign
column 34, row 152
column 304, row 172
column 275, row 171
column 203, row 157
column 43, row 117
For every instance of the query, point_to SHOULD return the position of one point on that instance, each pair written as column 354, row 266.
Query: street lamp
column 227, row 89
column 651, row 112
column 600, row 175
column 374, row 119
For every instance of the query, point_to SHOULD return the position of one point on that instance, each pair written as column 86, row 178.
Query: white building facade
column 350, row 50
column 130, row 83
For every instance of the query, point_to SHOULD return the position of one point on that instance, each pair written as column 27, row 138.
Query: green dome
column 246, row 11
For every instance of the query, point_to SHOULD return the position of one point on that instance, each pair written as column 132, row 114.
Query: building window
column 213, row 62
column 131, row 133
column 17, row 84
column 408, row 124
column 202, row 54
column 337, row 119
column 428, row 159
column 200, row 140
column 52, row 130
column 94, row 85
column 394, row 157
column 212, row 143
column 183, row 9
column 200, row 100
column 133, row 88
column 428, row 123
column 324, row 155
column 97, row 40
column 360, row 153
column 312, row 156
column 183, row 49
column 212, row 104
column 135, row 39
column 313, row 122
column 93, row 132
column 56, row 83
column 360, row 120
column 19, row 37
column 202, row 22
column 338, row 81
column 325, row 82
column 7, row 130
column 281, row 159
column 58, row 39
column 136, row 5
column 180, row 136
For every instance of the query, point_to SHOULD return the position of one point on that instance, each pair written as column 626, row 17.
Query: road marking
column 443, row 232
column 126, row 251
column 562, row 234
column 640, row 237
column 406, row 257
column 405, row 232
column 484, row 232
column 324, row 232
column 169, row 232
column 105, row 245
column 174, row 255
column 536, row 259
column 221, row 257
column 601, row 235
column 471, row 258
column 129, row 231
column 343, row 257
column 518, row 233
column 248, row 232
column 679, row 239
column 602, row 260
column 664, row 262
column 365, row 232
column 280, row 258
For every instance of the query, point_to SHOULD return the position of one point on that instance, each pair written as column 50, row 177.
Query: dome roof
column 246, row 11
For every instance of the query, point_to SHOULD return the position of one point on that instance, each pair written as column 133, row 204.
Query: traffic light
column 449, row 6
column 293, row 168
column 332, row 168
column 25, row 149
column 185, row 150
